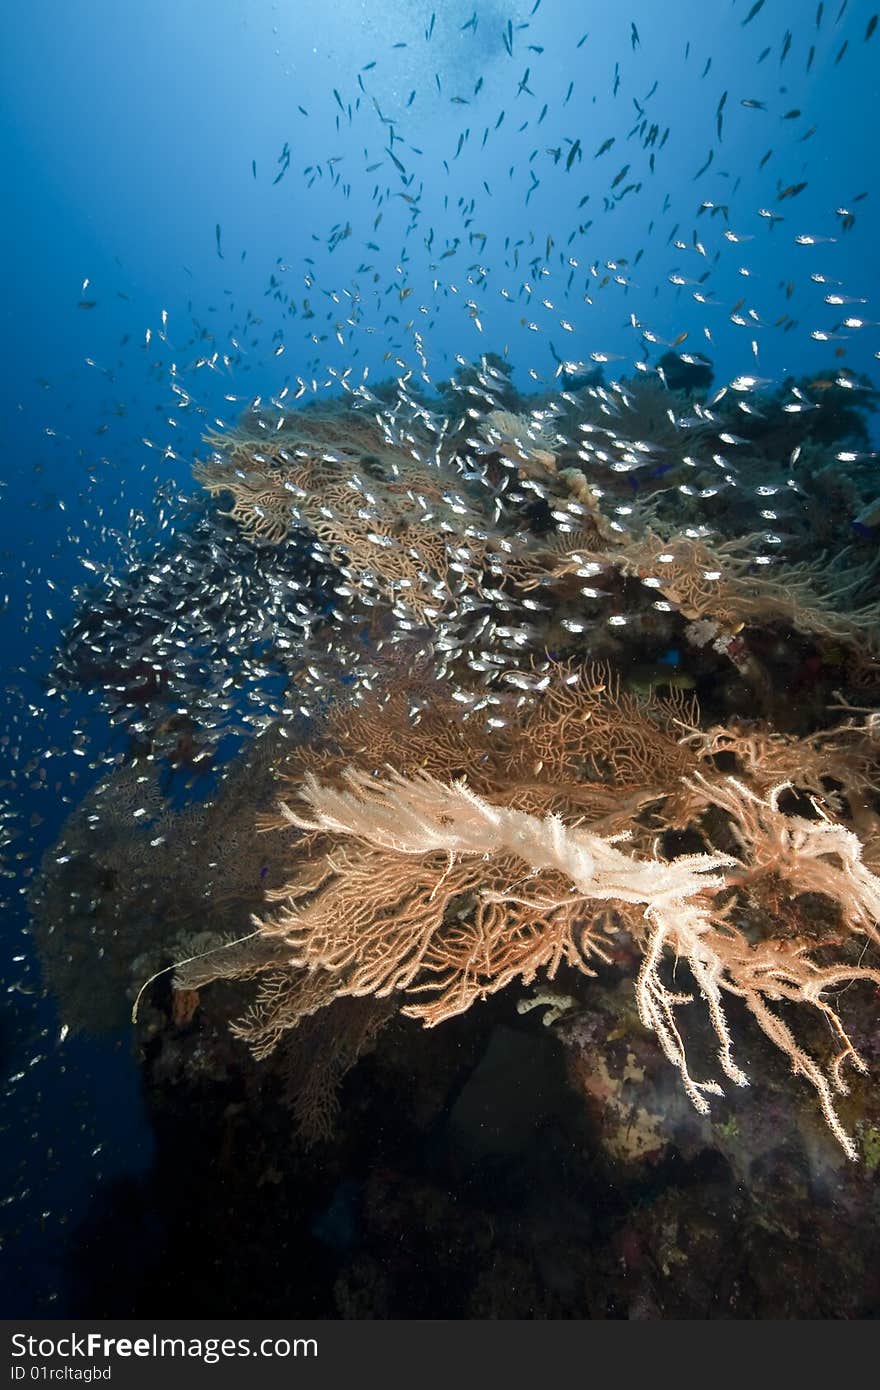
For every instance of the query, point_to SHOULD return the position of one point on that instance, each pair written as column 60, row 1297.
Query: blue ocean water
column 214, row 202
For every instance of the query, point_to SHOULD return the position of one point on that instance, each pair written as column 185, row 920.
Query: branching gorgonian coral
column 424, row 888
column 440, row 872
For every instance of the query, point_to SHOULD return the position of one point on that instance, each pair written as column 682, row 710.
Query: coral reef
column 440, row 630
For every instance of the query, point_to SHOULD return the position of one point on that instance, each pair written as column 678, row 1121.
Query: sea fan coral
column 417, row 887
column 528, row 442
